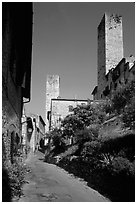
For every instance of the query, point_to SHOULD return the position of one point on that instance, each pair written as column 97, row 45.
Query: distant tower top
column 114, row 40
column 52, row 91
column 110, row 36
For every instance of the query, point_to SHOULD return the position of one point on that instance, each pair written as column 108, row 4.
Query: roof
column 64, row 99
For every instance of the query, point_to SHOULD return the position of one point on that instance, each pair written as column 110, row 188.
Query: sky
column 65, row 44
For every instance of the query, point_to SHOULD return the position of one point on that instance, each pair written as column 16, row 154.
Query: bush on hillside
column 123, row 96
column 90, row 149
column 129, row 115
column 70, row 125
column 91, row 114
column 15, row 176
column 122, row 167
column 83, row 136
column 6, row 189
column 84, row 123
column 117, row 145
column 57, row 140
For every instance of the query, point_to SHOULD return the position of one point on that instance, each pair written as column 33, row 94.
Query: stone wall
column 11, row 97
column 121, row 75
column 11, row 128
column 16, row 72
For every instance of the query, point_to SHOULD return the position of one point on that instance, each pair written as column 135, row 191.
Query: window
column 48, row 115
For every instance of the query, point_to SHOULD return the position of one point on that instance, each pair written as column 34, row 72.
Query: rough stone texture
column 16, row 63
column 10, row 125
column 110, row 47
column 52, row 91
column 114, row 40
column 11, row 97
column 60, row 108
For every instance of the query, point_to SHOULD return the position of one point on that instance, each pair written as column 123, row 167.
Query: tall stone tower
column 110, row 47
column 52, row 91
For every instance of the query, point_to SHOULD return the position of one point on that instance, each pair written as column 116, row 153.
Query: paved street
column 49, row 183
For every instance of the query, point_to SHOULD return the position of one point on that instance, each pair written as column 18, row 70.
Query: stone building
column 60, row 108
column 33, row 130
column 57, row 108
column 16, row 72
column 113, row 69
column 121, row 75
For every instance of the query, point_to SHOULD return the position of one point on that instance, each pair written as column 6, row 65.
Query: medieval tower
column 110, row 47
column 52, row 91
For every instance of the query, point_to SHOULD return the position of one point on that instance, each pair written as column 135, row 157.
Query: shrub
column 6, row 189
column 71, row 124
column 94, row 130
column 90, row 149
column 70, row 151
column 122, row 167
column 14, row 177
column 57, row 140
column 117, row 145
column 123, row 96
column 129, row 115
column 83, row 135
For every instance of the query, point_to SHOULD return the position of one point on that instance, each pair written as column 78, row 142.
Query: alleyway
column 49, row 183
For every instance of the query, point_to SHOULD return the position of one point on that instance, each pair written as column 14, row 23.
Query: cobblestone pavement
column 49, row 183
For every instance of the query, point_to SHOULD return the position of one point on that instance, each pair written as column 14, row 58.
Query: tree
column 123, row 96
column 71, row 124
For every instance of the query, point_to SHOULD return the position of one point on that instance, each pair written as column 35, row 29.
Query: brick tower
column 52, row 91
column 110, row 47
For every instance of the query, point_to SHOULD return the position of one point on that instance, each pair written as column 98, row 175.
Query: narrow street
column 49, row 183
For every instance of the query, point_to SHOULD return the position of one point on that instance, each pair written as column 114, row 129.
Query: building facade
column 57, row 108
column 60, row 108
column 33, row 130
column 16, row 72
